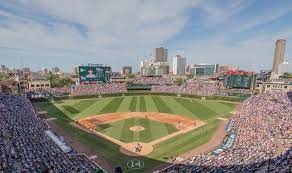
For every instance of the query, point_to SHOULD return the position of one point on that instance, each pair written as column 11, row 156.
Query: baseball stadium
column 145, row 86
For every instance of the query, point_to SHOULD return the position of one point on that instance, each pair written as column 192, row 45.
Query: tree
column 179, row 81
column 190, row 76
column 131, row 75
column 286, row 76
column 4, row 76
column 56, row 81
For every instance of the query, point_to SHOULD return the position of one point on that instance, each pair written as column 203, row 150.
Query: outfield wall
column 215, row 97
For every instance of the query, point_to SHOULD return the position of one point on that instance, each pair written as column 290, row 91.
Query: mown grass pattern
column 197, row 109
column 112, row 106
column 110, row 151
column 142, row 104
column 83, row 104
column 161, row 105
column 133, row 104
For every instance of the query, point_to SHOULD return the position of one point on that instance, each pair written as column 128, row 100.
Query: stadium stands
column 105, row 88
column 152, row 81
column 48, row 92
column 194, row 87
column 24, row 146
column 262, row 143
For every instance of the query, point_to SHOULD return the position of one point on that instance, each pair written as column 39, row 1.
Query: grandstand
column 28, row 145
column 260, row 140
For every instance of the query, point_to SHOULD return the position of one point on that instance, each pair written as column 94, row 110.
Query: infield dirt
column 183, row 124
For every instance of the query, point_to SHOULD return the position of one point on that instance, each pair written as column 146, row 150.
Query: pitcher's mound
column 137, row 128
column 136, row 149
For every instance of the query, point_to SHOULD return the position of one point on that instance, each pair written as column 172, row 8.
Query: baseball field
column 138, row 129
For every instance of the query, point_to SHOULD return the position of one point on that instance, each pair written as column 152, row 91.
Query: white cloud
column 117, row 28
column 217, row 12
column 107, row 23
column 263, row 16
column 128, row 29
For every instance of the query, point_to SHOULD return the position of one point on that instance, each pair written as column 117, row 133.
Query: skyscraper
column 279, row 54
column 179, row 65
column 160, row 54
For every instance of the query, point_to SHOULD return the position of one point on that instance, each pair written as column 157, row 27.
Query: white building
column 273, row 86
column 179, row 65
column 151, row 68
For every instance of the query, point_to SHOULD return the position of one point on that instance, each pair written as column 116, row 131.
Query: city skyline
column 48, row 33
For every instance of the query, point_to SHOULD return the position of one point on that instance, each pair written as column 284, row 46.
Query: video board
column 94, row 73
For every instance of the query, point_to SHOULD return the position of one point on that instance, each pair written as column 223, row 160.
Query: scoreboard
column 239, row 81
column 94, row 73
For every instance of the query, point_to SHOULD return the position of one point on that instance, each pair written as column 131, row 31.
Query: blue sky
column 46, row 33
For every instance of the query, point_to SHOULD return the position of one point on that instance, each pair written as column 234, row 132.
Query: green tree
column 4, row 76
column 131, row 75
column 190, row 76
column 286, row 76
column 56, row 81
column 179, row 81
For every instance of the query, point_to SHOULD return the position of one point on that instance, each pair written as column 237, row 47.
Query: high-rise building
column 160, row 54
column 126, row 70
column 278, row 55
column 179, row 65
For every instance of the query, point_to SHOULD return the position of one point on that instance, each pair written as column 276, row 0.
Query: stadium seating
column 152, row 81
column 263, row 141
column 24, row 147
column 106, row 88
column 48, row 92
column 193, row 87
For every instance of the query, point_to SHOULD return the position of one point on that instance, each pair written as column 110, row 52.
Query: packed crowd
column 24, row 147
column 48, row 92
column 192, row 87
column 227, row 91
column 263, row 141
column 152, row 81
column 105, row 88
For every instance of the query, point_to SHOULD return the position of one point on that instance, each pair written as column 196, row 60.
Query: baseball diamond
column 152, row 129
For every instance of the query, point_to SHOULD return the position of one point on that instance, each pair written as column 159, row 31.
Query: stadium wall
column 223, row 98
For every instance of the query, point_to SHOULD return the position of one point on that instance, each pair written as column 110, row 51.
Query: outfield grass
column 67, row 110
column 199, row 109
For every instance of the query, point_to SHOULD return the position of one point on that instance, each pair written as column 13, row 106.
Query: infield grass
column 121, row 130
